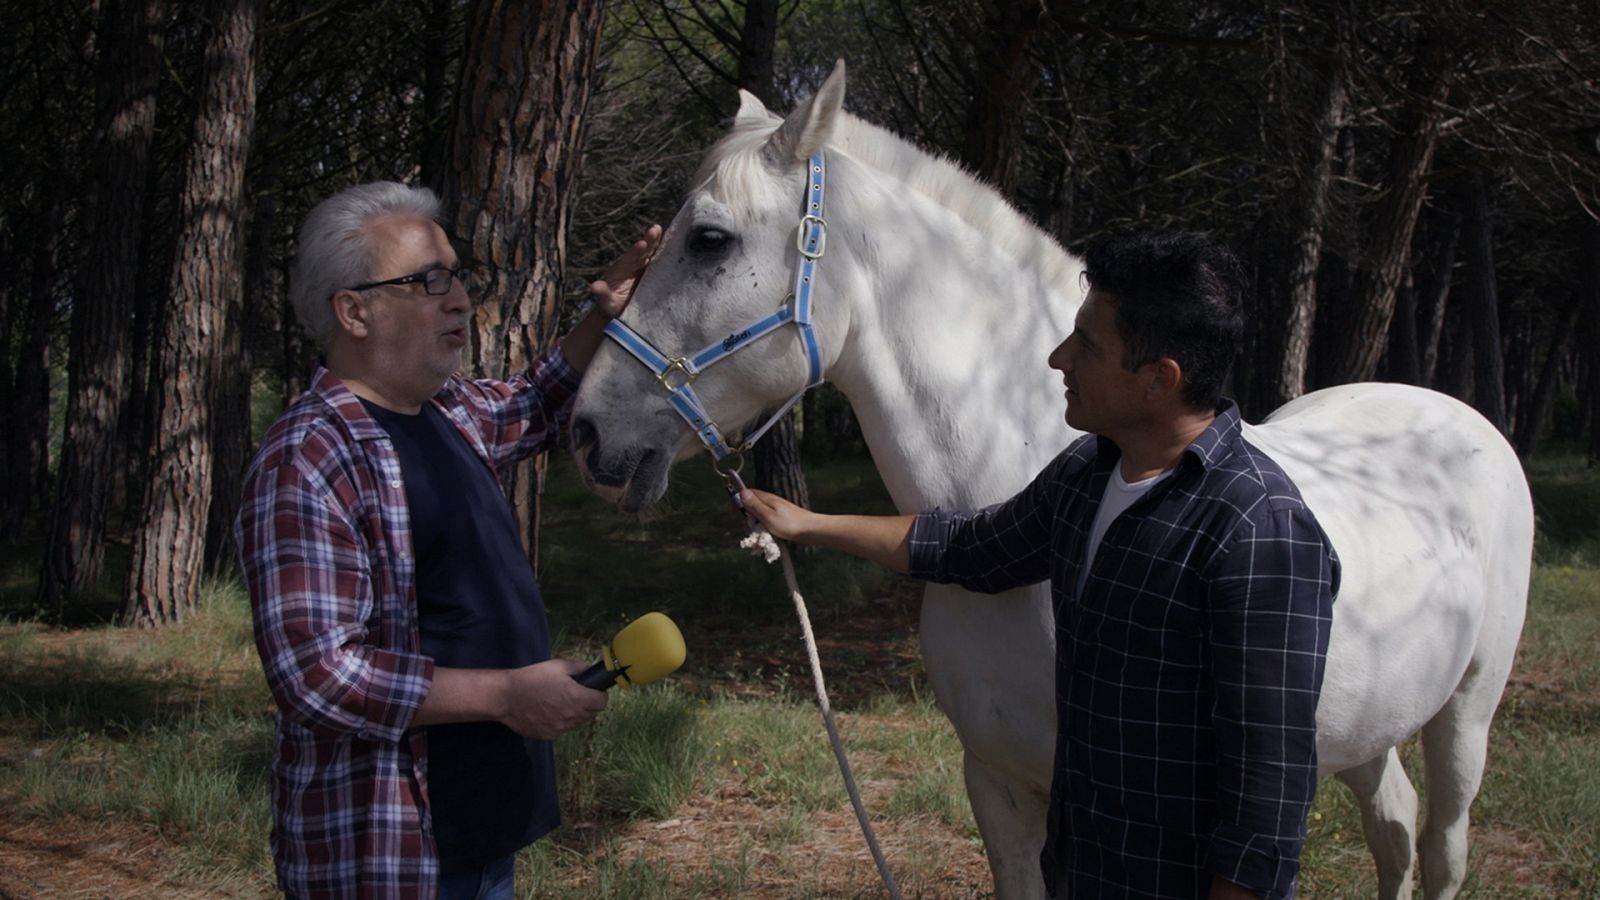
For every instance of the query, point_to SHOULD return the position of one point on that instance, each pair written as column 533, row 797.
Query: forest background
column 1415, row 185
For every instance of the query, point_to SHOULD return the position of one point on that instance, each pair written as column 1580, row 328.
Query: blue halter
column 677, row 374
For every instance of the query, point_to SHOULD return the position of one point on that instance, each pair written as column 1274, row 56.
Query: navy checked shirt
column 1187, row 673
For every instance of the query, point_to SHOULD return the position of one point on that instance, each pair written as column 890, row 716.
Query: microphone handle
column 597, row 677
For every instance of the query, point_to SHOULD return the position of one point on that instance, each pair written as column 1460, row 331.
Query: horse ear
column 811, row 124
column 751, row 107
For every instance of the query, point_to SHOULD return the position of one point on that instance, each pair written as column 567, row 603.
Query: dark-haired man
column 1193, row 592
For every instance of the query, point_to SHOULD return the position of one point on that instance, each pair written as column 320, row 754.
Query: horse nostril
column 583, row 433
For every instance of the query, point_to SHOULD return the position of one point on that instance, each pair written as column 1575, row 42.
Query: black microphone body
column 597, row 677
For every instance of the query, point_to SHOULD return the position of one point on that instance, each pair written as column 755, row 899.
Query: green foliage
column 1566, row 502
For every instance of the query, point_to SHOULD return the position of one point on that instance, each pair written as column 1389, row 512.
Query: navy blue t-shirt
column 492, row 791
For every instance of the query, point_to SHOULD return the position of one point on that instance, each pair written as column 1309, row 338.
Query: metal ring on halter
column 738, row 463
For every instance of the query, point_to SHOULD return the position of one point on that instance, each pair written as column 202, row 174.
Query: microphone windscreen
column 648, row 648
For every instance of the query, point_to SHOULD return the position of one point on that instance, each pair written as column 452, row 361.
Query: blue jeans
column 495, row 881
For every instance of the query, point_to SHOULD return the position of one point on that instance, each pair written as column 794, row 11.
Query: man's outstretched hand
column 614, row 289
column 785, row 520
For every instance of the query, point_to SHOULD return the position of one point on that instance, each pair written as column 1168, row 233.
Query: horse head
column 727, row 264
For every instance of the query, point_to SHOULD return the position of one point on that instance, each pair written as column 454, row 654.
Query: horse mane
column 734, row 173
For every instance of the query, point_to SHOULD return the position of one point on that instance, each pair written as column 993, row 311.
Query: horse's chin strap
column 677, row 374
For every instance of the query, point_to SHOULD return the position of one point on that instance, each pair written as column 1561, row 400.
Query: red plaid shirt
column 324, row 540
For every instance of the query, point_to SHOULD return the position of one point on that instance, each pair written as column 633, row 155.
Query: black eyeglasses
column 435, row 281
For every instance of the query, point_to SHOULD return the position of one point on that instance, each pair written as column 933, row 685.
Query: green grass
column 1566, row 501
column 157, row 730
column 171, row 729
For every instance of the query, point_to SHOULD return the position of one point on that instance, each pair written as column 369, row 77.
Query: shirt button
column 395, row 483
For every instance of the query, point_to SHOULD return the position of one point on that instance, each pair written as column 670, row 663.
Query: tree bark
column 1006, row 72
column 776, row 460
column 515, row 159
column 1437, row 300
column 13, row 503
column 167, row 564
column 1401, row 362
column 1483, row 304
column 28, row 416
column 433, row 133
column 1388, row 254
column 758, row 39
column 1589, row 289
column 127, row 76
column 231, row 437
column 1536, row 408
column 1285, row 363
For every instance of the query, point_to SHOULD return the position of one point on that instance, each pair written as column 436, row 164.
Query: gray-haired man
column 398, row 622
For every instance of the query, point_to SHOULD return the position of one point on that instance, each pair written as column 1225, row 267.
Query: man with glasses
column 397, row 618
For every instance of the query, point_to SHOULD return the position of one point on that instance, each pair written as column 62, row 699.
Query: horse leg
column 1455, row 746
column 1011, row 817
column 1388, row 818
column 1455, row 742
column 1453, row 753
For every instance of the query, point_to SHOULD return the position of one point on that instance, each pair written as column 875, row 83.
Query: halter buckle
column 822, row 236
column 681, row 364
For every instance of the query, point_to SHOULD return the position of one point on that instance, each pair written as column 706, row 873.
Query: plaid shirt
column 1187, row 673
column 325, row 544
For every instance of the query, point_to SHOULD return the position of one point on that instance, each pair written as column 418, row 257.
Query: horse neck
column 944, row 360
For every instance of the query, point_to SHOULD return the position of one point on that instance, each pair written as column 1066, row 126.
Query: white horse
column 935, row 307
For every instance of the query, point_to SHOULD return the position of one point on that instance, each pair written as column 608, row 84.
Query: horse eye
column 709, row 240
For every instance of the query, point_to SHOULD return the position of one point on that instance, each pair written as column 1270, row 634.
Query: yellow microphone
column 645, row 650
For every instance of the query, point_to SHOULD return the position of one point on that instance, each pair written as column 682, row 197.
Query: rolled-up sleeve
column 311, row 596
column 526, row 413
column 1270, row 605
column 998, row 548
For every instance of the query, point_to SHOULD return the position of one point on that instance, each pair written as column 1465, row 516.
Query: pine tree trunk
column 758, row 38
column 1388, row 254
column 515, row 160
column 1006, row 72
column 12, row 509
column 1437, row 300
column 1537, row 406
column 777, row 462
column 433, row 132
column 126, row 78
column 1401, row 363
column 1589, row 287
column 1286, row 360
column 138, row 425
column 232, row 440
column 167, row 564
column 1483, row 304
column 28, row 416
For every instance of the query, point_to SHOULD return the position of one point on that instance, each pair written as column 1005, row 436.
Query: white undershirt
column 1118, row 496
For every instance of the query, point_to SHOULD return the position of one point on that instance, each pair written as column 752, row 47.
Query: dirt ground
column 74, row 858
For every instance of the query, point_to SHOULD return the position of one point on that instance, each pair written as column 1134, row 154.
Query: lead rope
column 761, row 541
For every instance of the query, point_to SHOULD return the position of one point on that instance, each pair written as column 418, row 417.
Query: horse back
column 1427, row 506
